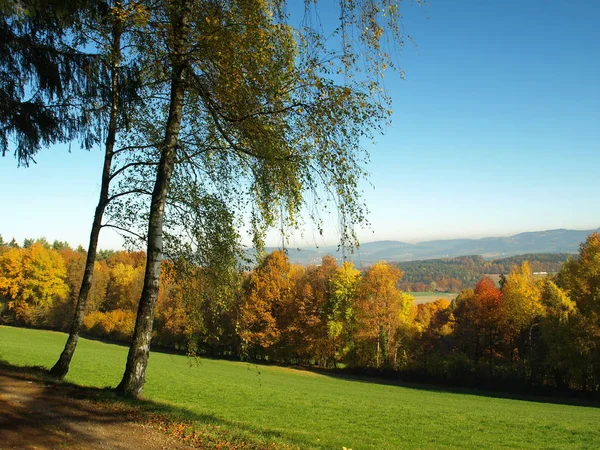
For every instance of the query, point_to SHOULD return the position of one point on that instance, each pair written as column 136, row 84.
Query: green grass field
column 428, row 297
column 299, row 408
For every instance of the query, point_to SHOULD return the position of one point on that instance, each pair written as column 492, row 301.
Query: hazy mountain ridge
column 549, row 241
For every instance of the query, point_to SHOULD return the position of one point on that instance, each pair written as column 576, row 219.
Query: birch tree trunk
column 61, row 368
column 137, row 358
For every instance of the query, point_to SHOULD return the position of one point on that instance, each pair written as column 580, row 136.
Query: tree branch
column 125, row 230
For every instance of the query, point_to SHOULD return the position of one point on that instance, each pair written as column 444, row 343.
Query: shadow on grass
column 33, row 414
column 59, row 408
column 485, row 388
column 569, row 398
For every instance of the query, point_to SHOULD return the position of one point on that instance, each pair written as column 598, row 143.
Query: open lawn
column 292, row 408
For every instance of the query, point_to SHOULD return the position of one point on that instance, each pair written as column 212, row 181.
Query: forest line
column 530, row 331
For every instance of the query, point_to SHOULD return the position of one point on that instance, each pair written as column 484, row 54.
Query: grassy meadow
column 268, row 405
column 428, row 297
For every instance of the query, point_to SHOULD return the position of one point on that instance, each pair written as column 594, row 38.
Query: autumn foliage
column 530, row 331
column 32, row 280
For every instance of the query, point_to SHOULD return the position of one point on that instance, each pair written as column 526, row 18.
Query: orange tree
column 308, row 329
column 262, row 313
column 479, row 322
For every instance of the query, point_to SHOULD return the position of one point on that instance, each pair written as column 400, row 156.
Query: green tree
column 271, row 124
column 45, row 79
column 107, row 32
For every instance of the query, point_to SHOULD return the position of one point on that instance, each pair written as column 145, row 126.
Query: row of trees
column 213, row 114
column 455, row 274
column 529, row 331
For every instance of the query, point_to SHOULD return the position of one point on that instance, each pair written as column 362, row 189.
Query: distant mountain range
column 550, row 241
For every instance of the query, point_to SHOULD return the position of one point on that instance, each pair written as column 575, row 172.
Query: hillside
column 455, row 274
column 245, row 406
column 550, row 241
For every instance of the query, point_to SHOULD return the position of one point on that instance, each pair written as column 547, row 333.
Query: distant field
column 496, row 277
column 279, row 407
column 428, row 297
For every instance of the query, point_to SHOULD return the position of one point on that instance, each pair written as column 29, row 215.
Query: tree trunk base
column 60, row 369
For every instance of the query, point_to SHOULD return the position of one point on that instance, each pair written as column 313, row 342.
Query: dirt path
column 35, row 415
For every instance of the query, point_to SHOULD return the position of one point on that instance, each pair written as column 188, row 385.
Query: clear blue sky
column 496, row 130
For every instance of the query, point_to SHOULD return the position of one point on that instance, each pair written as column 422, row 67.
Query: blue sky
column 496, row 130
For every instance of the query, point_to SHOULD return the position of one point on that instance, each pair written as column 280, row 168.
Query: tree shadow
column 34, row 413
column 53, row 414
column 569, row 398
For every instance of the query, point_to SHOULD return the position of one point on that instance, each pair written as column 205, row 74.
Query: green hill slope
column 285, row 407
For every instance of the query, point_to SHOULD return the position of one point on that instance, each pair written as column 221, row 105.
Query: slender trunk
column 522, row 354
column 491, row 360
column 531, row 356
column 61, row 367
column 137, row 358
column 512, row 355
column 334, row 347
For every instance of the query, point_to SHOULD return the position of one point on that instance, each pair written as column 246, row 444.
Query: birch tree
column 264, row 115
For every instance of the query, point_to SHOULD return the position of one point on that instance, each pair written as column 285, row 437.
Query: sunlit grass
column 299, row 408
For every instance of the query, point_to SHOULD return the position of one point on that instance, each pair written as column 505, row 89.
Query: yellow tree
column 522, row 308
column 175, row 324
column 124, row 287
column 380, row 309
column 31, row 279
column 580, row 279
column 98, row 290
column 522, row 297
column 559, row 333
column 432, row 324
column 74, row 262
column 339, row 310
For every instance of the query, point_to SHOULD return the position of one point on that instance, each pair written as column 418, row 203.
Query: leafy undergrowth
column 223, row 404
column 213, row 437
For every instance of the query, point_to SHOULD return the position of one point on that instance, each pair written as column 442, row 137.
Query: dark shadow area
column 467, row 383
column 56, row 414
column 484, row 388
column 36, row 413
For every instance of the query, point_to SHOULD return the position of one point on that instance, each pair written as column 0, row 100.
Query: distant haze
column 550, row 241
